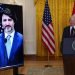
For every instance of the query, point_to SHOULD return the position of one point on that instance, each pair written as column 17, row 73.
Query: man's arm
column 63, row 36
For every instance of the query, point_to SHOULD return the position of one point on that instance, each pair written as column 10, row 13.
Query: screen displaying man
column 11, row 41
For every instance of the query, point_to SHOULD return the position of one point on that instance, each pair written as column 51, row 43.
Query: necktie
column 73, row 32
column 8, row 45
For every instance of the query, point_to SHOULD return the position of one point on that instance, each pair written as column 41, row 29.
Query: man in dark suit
column 68, row 31
column 11, row 42
column 69, row 59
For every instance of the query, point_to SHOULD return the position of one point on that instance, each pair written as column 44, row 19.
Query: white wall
column 29, row 24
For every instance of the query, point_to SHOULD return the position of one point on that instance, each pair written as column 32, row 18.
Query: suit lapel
column 68, row 32
column 3, row 49
column 14, row 45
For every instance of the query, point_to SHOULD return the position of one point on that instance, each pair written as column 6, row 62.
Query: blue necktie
column 8, row 46
column 73, row 32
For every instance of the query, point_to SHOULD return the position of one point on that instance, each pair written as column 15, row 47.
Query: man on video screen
column 11, row 41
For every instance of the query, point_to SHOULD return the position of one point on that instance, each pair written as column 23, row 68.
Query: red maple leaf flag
column 47, row 30
column 73, row 12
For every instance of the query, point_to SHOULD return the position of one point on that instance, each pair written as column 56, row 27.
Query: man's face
column 7, row 23
column 72, row 20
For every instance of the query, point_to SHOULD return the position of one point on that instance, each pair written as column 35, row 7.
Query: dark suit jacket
column 66, row 34
column 68, row 60
column 16, row 55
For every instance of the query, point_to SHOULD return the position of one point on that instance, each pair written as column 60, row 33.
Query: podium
column 68, row 53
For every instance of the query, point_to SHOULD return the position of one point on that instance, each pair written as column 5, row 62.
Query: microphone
column 5, row 40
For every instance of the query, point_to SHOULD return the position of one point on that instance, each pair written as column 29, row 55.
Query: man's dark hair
column 10, row 13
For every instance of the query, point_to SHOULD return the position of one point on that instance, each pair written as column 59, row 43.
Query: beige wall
column 30, row 27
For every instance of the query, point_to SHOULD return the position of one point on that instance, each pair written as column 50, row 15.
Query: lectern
column 68, row 53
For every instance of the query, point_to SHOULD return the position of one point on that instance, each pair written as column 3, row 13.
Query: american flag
column 47, row 30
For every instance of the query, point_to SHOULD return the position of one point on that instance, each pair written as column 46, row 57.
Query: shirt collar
column 73, row 26
column 12, row 34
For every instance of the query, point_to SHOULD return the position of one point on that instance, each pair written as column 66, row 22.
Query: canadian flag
column 73, row 12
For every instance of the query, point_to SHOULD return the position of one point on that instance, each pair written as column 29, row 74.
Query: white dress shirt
column 11, row 39
column 71, row 28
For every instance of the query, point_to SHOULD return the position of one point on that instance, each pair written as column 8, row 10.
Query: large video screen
column 11, row 36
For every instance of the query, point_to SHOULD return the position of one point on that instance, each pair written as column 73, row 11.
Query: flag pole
column 48, row 60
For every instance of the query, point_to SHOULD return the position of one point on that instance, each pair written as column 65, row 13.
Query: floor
column 29, row 63
column 40, row 64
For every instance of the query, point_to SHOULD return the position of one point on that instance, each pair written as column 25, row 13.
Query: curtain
column 61, row 11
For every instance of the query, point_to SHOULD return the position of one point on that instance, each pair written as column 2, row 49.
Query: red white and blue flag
column 47, row 30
